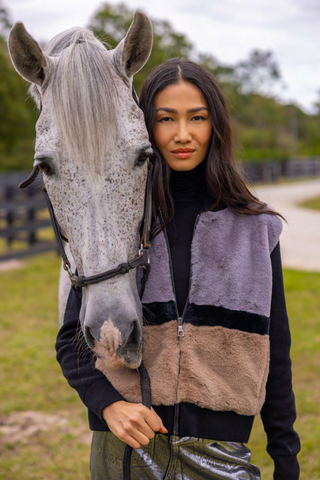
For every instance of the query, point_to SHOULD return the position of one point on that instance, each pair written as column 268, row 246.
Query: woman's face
column 183, row 128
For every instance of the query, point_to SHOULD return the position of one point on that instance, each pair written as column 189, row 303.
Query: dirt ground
column 23, row 426
column 11, row 265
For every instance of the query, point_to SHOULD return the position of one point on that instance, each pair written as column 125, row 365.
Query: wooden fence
column 22, row 216
column 272, row 171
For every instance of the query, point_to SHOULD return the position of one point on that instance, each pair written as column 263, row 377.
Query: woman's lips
column 183, row 153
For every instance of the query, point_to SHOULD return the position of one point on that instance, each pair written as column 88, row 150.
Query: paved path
column 300, row 239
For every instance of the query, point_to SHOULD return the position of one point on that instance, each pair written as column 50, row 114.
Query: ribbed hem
column 204, row 423
column 286, row 467
column 194, row 422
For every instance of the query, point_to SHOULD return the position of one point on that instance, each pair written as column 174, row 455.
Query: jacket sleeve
column 77, row 362
column 279, row 413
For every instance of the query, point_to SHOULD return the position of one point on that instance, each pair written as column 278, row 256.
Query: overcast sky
column 228, row 29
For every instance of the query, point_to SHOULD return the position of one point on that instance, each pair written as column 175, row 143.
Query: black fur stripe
column 209, row 315
column 158, row 313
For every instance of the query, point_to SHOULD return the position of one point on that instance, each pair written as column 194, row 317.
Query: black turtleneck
column 188, row 193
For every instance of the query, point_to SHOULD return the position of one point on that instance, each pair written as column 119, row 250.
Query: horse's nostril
column 134, row 339
column 89, row 337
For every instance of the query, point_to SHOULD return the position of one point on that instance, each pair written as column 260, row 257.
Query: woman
column 216, row 335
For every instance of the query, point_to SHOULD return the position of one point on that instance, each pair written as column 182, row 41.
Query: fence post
column 8, row 195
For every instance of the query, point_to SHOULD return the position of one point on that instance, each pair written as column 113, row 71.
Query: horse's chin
column 107, row 360
column 112, row 353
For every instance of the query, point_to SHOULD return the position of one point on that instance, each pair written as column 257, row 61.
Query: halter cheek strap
column 79, row 281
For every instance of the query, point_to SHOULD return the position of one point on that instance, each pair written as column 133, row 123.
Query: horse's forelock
column 83, row 94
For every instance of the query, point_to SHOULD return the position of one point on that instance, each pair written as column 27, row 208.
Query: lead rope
column 146, row 401
column 145, row 389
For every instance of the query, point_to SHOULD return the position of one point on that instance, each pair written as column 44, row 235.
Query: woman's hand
column 133, row 423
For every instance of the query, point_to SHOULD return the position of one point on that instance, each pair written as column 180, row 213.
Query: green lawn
column 314, row 203
column 31, row 379
column 303, row 304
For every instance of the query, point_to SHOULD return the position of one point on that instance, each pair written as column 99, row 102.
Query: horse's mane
column 83, row 93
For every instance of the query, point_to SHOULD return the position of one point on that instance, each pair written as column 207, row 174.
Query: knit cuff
column 286, row 467
column 99, row 395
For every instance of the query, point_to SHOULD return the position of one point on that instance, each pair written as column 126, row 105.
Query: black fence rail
column 22, row 217
column 303, row 167
column 272, row 170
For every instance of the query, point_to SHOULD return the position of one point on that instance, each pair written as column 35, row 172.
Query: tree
column 259, row 73
column 317, row 103
column 111, row 22
column 17, row 113
column 5, row 23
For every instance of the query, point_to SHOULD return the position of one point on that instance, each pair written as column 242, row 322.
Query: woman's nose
column 182, row 134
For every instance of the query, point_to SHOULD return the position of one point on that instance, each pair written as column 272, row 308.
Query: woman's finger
column 140, row 438
column 146, row 430
column 132, row 442
column 154, row 421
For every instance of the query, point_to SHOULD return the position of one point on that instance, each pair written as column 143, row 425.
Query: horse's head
column 92, row 146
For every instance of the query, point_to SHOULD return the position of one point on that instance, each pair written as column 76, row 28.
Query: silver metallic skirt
column 172, row 458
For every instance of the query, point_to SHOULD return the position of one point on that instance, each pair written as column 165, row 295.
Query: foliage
column 167, row 43
column 4, row 20
column 258, row 73
column 17, row 113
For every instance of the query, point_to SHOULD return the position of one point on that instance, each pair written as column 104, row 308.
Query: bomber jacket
column 221, row 361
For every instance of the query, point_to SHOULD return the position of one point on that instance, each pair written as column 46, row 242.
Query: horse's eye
column 143, row 157
column 45, row 167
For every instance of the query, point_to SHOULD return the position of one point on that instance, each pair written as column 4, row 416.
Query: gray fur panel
column 230, row 261
column 159, row 286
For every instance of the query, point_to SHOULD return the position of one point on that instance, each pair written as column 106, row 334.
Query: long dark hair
column 224, row 182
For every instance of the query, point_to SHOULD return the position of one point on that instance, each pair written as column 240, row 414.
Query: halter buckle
column 67, row 267
column 143, row 250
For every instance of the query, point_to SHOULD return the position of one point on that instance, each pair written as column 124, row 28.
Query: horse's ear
column 134, row 50
column 26, row 55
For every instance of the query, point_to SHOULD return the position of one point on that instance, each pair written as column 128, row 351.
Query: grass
column 303, row 304
column 314, row 203
column 31, row 379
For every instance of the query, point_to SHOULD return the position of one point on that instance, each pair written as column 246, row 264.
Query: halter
column 79, row 281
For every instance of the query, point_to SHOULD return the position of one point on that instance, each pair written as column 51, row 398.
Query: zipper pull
column 180, row 327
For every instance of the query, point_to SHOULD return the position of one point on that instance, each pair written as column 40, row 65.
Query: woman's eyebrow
column 172, row 110
column 163, row 109
column 198, row 109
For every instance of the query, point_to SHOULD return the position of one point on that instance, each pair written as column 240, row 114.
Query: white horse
column 92, row 146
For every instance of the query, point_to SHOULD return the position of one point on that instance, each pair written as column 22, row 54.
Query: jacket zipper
column 179, row 318
column 179, row 321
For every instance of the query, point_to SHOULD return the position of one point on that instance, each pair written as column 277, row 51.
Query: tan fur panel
column 160, row 357
column 223, row 369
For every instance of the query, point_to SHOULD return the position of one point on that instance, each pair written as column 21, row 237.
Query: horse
column 92, row 147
